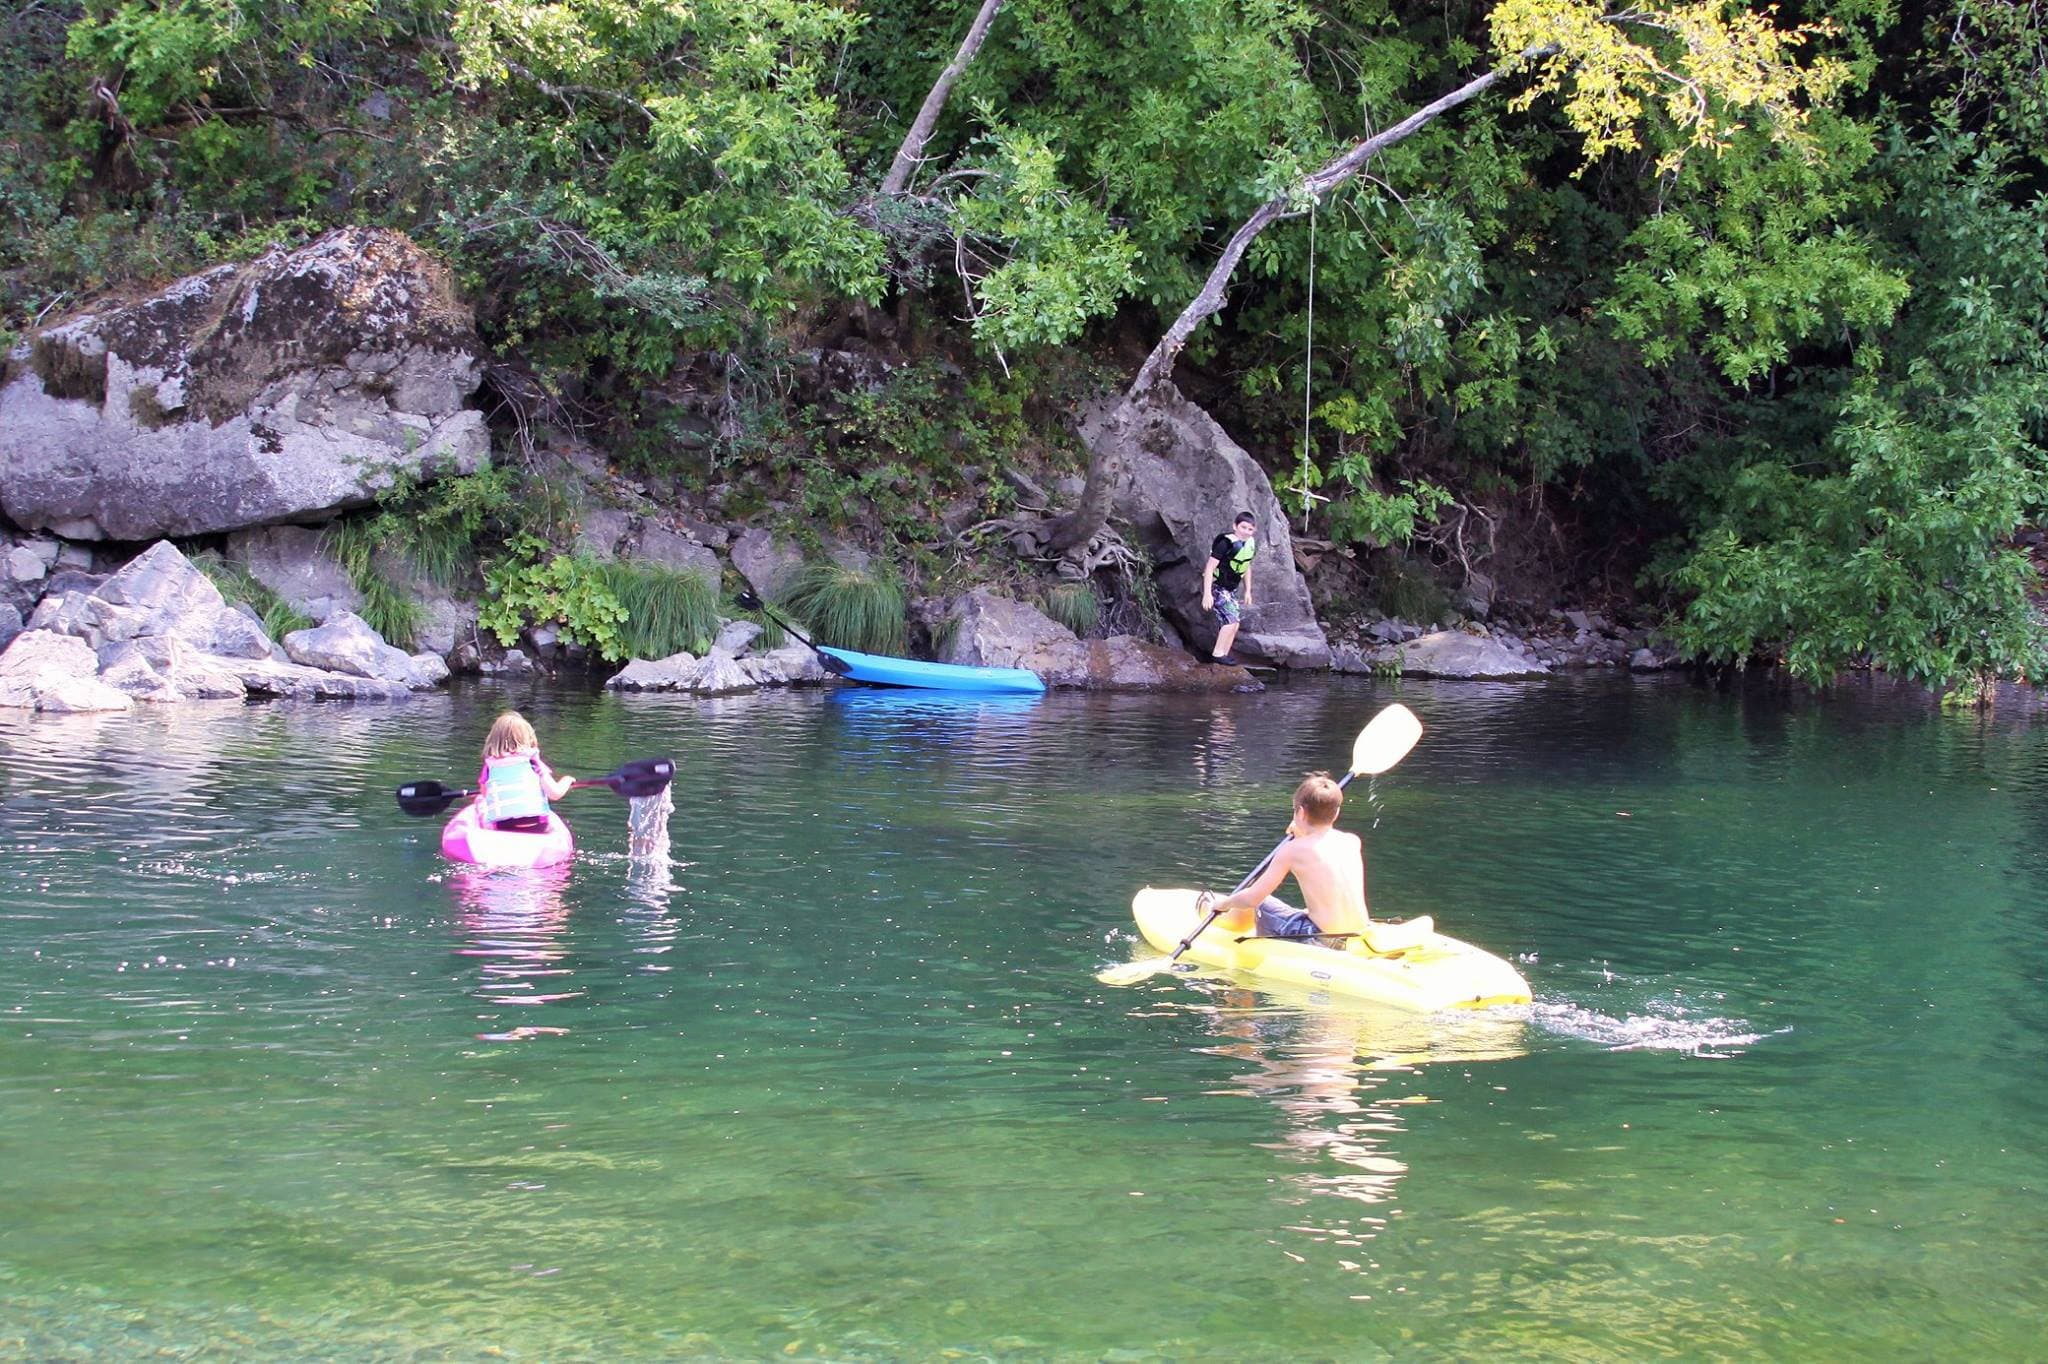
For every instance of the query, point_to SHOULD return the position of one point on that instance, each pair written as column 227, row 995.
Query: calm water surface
column 277, row 1082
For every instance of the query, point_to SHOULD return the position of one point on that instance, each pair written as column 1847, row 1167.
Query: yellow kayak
column 1407, row 965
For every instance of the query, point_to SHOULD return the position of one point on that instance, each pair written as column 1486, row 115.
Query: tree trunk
column 1086, row 518
column 912, row 151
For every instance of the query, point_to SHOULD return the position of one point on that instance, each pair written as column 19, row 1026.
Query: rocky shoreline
column 249, row 406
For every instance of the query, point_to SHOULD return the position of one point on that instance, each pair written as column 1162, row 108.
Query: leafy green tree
column 1871, row 520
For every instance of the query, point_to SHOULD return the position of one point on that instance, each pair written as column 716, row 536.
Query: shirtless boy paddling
column 1327, row 864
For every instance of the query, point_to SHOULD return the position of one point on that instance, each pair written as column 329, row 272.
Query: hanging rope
column 1308, row 371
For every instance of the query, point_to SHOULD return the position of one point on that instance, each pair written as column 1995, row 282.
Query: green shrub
column 567, row 591
column 238, row 584
column 850, row 608
column 667, row 610
column 1075, row 606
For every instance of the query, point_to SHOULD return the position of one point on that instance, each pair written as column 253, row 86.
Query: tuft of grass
column 440, row 552
column 238, row 584
column 1075, row 606
column 848, row 608
column 668, row 610
column 358, row 546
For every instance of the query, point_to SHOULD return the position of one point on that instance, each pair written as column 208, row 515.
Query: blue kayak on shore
column 884, row 671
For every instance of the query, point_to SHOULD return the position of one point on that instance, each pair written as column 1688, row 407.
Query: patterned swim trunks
column 1226, row 610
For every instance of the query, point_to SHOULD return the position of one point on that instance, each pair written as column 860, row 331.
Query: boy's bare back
column 1329, row 867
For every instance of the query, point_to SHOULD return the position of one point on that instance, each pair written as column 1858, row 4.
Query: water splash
column 1668, row 1024
column 647, row 827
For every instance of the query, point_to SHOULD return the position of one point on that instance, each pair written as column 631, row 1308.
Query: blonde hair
column 509, row 734
column 1320, row 798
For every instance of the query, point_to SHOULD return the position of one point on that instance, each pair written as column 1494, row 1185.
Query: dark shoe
column 1226, row 660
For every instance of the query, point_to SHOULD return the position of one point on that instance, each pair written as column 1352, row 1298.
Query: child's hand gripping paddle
column 635, row 780
column 1380, row 745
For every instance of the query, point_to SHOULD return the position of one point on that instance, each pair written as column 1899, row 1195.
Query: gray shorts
column 1226, row 610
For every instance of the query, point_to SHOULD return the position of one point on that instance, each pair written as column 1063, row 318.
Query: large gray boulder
column 346, row 643
column 994, row 631
column 1183, row 480
column 657, row 544
column 158, row 593
column 283, row 390
column 293, row 562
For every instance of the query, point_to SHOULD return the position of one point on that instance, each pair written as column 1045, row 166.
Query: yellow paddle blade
column 1385, row 741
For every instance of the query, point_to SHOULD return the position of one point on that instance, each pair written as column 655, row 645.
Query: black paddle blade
column 642, row 778
column 426, row 797
column 833, row 664
column 747, row 600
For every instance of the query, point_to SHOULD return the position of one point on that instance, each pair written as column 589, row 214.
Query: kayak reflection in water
column 512, row 924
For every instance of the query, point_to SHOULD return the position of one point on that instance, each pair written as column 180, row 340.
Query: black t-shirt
column 1232, row 558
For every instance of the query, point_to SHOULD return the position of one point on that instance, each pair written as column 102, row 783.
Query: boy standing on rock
column 1228, row 571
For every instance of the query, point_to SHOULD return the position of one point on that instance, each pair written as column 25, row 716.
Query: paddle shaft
column 1257, row 872
column 641, row 777
column 836, row 666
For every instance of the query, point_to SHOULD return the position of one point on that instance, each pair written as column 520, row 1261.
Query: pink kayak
column 465, row 839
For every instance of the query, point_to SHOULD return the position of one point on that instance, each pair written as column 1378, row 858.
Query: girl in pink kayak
column 515, row 786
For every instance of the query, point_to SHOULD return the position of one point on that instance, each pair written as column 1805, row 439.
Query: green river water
column 840, row 1083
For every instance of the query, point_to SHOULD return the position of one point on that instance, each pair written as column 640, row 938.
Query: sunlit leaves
column 1706, row 68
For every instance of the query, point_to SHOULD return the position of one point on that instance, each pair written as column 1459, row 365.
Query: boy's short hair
column 1319, row 797
column 1242, row 517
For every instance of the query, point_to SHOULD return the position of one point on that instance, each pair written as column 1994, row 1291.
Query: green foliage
column 1888, row 542
column 571, row 592
column 668, row 610
column 892, row 457
column 1074, row 605
column 849, row 608
column 1755, row 259
column 1062, row 262
column 1808, row 358
column 238, row 584
column 438, row 528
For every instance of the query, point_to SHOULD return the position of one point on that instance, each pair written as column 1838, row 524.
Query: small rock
column 735, row 637
column 81, row 695
column 665, row 674
column 660, row 545
column 24, row 565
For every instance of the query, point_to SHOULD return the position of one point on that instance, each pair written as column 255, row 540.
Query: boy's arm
column 1268, row 882
column 1246, row 585
column 1209, row 583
